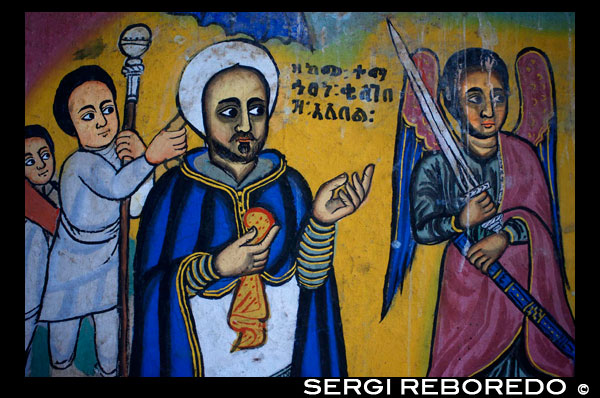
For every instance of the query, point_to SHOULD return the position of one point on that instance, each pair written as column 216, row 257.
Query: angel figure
column 477, row 330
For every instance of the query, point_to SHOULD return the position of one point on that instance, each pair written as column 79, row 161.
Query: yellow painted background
column 320, row 150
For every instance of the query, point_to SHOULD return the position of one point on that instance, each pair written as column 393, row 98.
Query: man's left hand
column 328, row 208
column 483, row 253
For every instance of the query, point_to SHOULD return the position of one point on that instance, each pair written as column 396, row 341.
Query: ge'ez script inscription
column 365, row 86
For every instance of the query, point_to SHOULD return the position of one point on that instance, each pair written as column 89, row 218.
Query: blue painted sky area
column 337, row 31
column 332, row 28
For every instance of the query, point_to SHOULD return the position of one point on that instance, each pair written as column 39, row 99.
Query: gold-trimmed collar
column 241, row 203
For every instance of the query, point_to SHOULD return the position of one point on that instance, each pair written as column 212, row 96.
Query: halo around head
column 213, row 60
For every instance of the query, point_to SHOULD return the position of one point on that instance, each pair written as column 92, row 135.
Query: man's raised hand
column 166, row 145
column 329, row 208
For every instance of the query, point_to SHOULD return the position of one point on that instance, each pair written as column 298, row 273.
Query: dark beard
column 243, row 147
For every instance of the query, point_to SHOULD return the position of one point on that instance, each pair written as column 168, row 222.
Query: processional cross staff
column 133, row 43
column 470, row 187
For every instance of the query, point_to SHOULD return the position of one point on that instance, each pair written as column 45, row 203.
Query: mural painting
column 299, row 194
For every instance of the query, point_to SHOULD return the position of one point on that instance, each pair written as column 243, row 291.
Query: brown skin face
column 484, row 102
column 94, row 114
column 39, row 162
column 236, row 117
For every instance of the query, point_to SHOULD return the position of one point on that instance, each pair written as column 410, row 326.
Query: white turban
column 213, row 60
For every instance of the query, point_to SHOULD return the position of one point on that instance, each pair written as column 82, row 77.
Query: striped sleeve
column 315, row 254
column 199, row 273
column 517, row 231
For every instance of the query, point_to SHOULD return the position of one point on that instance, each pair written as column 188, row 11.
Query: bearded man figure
column 211, row 298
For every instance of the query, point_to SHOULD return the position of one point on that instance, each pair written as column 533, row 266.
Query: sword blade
column 443, row 133
column 439, row 125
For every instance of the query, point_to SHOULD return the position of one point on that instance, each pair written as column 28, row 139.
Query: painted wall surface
column 337, row 111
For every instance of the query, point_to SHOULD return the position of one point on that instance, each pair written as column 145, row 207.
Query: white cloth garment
column 83, row 262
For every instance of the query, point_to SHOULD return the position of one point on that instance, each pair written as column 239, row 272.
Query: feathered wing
column 413, row 136
column 537, row 123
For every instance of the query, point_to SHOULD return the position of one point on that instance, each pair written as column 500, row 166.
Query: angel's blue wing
column 537, row 123
column 413, row 136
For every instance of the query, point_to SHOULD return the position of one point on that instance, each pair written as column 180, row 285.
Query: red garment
column 476, row 322
column 39, row 210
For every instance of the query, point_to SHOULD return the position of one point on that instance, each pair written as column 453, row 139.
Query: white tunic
column 36, row 259
column 216, row 336
column 83, row 261
column 37, row 246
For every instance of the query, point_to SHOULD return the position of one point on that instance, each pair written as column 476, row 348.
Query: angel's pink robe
column 475, row 321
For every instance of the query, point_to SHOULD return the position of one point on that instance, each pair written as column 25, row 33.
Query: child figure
column 84, row 259
column 41, row 212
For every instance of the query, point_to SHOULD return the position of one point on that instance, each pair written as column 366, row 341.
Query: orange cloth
column 249, row 313
column 249, row 308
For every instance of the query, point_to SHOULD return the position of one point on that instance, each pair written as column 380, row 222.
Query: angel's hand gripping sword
column 471, row 187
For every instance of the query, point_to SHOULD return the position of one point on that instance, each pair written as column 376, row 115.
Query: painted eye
column 475, row 99
column 229, row 112
column 499, row 99
column 29, row 162
column 108, row 110
column 257, row 110
column 45, row 155
column 88, row 116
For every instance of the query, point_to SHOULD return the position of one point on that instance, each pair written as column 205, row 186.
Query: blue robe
column 188, row 212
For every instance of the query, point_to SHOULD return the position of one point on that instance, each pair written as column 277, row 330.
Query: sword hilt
column 495, row 223
column 477, row 190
